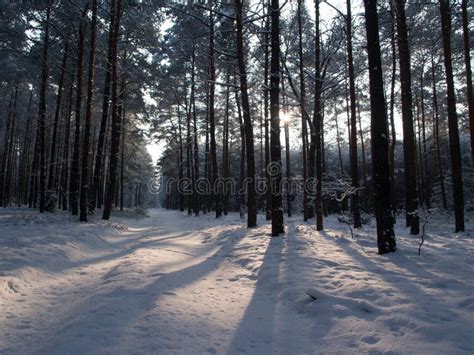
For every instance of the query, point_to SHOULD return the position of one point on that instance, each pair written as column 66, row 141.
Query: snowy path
column 173, row 284
column 163, row 281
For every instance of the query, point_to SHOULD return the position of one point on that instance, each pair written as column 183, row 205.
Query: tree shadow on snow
column 100, row 323
column 258, row 329
column 411, row 284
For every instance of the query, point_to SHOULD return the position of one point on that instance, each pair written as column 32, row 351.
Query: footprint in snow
column 169, row 293
column 370, row 339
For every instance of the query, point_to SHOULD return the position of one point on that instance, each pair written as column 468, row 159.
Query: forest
column 158, row 142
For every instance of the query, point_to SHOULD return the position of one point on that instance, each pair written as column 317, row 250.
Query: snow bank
column 34, row 247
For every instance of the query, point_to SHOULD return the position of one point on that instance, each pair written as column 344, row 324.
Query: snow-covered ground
column 174, row 284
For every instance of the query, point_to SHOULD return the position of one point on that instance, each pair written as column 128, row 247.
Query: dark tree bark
column 467, row 61
column 379, row 133
column 67, row 134
column 409, row 148
column 75, row 167
column 275, row 165
column 424, row 173
column 304, row 117
column 42, row 111
column 97, row 193
column 116, row 119
column 25, row 157
column 268, row 195
column 439, row 162
column 419, row 152
column 180, row 159
column 362, row 146
column 316, row 132
column 84, row 197
column 212, row 123
column 6, row 146
column 52, row 180
column 241, row 194
column 454, row 146
column 393, row 140
column 189, row 158
column 338, row 142
column 288, row 168
column 33, row 189
column 250, row 186
column 225, row 148
column 123, row 137
column 12, row 156
column 353, row 137
column 197, row 198
column 5, row 180
column 207, row 157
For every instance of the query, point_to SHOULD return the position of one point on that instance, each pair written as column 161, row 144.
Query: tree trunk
column 67, row 134
column 426, row 182
column 97, row 193
column 420, row 154
column 225, row 148
column 122, row 148
column 85, row 173
column 250, row 186
column 189, row 159
column 467, row 61
column 42, row 112
column 409, row 149
column 75, row 168
column 8, row 156
column 212, row 124
column 33, row 190
column 316, row 132
column 207, row 157
column 197, row 198
column 304, row 118
column 25, row 157
column 275, row 165
column 362, row 146
column 338, row 142
column 241, row 192
column 11, row 166
column 268, row 195
column 353, row 138
column 379, row 133
column 454, row 146
column 116, row 119
column 439, row 161
column 6, row 147
column 52, row 160
column 180, row 160
column 288, row 168
column 393, row 140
